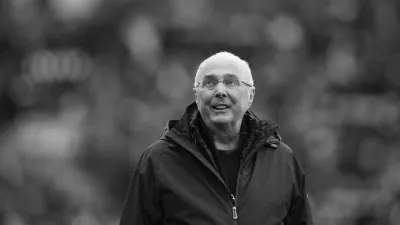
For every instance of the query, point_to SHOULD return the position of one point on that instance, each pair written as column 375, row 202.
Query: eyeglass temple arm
column 247, row 84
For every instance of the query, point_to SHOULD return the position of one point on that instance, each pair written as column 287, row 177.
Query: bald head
column 225, row 60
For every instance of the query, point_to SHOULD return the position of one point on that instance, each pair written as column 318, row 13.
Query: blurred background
column 87, row 85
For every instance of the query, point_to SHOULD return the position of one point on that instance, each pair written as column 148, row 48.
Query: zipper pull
column 234, row 212
column 235, row 216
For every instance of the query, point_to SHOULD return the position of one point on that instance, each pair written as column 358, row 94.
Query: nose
column 220, row 91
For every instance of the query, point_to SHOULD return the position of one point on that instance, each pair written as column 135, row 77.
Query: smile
column 220, row 107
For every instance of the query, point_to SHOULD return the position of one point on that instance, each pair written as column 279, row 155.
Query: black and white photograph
column 199, row 112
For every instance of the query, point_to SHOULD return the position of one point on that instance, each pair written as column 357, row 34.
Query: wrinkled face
column 223, row 105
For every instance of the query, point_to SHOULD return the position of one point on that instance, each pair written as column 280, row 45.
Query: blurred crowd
column 87, row 85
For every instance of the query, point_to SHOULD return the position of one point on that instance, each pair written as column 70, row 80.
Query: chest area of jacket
column 263, row 186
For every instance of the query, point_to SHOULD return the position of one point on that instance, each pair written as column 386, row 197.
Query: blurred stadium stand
column 87, row 85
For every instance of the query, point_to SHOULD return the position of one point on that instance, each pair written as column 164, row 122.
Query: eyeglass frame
column 219, row 81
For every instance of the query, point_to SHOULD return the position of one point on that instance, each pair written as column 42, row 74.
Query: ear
column 251, row 96
column 195, row 95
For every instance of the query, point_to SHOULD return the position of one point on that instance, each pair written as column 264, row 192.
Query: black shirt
column 229, row 163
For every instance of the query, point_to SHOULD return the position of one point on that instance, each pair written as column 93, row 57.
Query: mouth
column 220, row 107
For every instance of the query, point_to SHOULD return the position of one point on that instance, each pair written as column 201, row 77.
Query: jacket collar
column 183, row 132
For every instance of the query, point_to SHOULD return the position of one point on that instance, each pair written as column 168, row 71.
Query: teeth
column 221, row 107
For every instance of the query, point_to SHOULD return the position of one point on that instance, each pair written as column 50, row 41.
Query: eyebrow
column 226, row 75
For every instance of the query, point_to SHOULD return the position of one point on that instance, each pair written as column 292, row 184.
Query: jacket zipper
column 233, row 199
column 226, row 184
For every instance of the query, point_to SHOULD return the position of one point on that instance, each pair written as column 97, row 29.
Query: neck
column 226, row 137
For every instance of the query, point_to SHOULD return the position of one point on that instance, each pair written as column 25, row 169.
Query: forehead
column 217, row 74
column 222, row 68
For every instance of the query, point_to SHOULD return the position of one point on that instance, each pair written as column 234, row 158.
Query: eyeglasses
column 211, row 83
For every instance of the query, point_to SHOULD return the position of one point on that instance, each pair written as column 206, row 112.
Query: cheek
column 240, row 99
column 204, row 98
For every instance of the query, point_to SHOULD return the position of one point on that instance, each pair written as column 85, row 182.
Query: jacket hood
column 182, row 131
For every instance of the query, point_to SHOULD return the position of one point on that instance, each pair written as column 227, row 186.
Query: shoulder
column 282, row 151
column 158, row 147
column 151, row 156
column 291, row 157
column 285, row 149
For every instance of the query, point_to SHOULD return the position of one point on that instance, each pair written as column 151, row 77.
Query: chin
column 221, row 120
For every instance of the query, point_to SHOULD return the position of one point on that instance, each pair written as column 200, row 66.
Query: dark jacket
column 177, row 182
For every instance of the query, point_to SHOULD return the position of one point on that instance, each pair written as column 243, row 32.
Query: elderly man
column 219, row 164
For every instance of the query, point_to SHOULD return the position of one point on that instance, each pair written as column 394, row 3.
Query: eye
column 231, row 82
column 209, row 83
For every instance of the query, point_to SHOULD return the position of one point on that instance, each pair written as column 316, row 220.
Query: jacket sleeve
column 142, row 206
column 299, row 210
